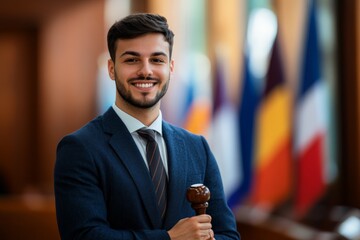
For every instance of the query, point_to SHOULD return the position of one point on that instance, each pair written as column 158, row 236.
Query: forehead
column 145, row 45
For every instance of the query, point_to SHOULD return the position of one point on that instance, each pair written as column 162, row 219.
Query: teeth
column 144, row 85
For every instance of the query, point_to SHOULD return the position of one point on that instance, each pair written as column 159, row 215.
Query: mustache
column 143, row 78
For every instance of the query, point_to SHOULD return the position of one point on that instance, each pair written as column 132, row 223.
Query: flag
column 272, row 157
column 197, row 112
column 246, row 116
column 223, row 134
column 310, row 124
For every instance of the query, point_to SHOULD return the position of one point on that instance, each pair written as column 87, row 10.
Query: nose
column 145, row 70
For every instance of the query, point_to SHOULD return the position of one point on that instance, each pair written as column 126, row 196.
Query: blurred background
column 271, row 84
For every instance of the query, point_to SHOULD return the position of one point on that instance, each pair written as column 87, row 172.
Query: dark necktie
column 156, row 168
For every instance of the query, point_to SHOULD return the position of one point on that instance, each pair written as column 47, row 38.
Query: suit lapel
column 177, row 174
column 125, row 147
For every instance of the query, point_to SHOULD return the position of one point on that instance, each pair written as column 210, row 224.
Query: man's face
column 141, row 71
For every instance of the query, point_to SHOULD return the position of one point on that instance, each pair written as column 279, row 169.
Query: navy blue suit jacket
column 103, row 189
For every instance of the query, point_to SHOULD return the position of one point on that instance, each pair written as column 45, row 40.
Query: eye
column 131, row 60
column 157, row 60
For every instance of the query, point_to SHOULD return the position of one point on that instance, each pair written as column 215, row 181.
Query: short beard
column 127, row 97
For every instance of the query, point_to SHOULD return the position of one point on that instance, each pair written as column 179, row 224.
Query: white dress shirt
column 132, row 124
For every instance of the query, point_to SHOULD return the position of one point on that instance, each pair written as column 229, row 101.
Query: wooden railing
column 33, row 217
column 30, row 217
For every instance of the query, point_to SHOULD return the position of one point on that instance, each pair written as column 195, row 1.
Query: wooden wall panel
column 349, row 93
column 71, row 43
column 48, row 78
column 17, row 109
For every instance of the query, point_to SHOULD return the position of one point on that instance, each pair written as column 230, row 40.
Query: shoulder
column 89, row 129
column 82, row 138
column 175, row 134
column 173, row 129
column 97, row 128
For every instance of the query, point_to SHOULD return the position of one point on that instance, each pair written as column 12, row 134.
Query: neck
column 145, row 115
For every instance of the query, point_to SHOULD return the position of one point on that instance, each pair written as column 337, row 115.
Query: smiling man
column 124, row 175
column 142, row 69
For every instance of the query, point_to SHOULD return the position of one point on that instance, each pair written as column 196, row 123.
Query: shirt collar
column 133, row 124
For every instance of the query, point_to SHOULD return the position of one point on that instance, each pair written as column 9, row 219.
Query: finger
column 211, row 233
column 205, row 227
column 204, row 218
column 205, row 235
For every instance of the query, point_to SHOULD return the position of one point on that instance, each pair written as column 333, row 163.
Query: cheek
column 165, row 73
column 126, row 72
column 120, row 75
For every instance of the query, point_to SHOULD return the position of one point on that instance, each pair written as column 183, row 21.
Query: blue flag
column 246, row 117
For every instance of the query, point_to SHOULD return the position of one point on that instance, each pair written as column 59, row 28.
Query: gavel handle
column 200, row 208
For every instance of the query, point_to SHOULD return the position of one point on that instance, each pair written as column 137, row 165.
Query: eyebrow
column 136, row 54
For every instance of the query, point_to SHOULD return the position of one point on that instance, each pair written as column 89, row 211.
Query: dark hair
column 136, row 25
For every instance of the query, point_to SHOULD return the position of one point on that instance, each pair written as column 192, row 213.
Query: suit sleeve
column 80, row 205
column 223, row 220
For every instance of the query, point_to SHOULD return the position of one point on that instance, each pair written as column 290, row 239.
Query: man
column 105, row 188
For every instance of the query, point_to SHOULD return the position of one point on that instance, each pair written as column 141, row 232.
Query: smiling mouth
column 144, row 85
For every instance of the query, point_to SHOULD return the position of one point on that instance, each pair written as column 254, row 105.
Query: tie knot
column 148, row 134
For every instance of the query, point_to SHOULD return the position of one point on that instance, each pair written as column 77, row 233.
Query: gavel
column 198, row 195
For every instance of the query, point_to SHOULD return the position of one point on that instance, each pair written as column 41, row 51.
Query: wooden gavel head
column 198, row 195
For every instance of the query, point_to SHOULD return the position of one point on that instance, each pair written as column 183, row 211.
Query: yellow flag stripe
column 273, row 124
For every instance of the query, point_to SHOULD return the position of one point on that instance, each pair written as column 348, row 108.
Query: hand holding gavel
column 197, row 195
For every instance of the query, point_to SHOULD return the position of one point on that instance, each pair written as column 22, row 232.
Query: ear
column 111, row 69
column 172, row 66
